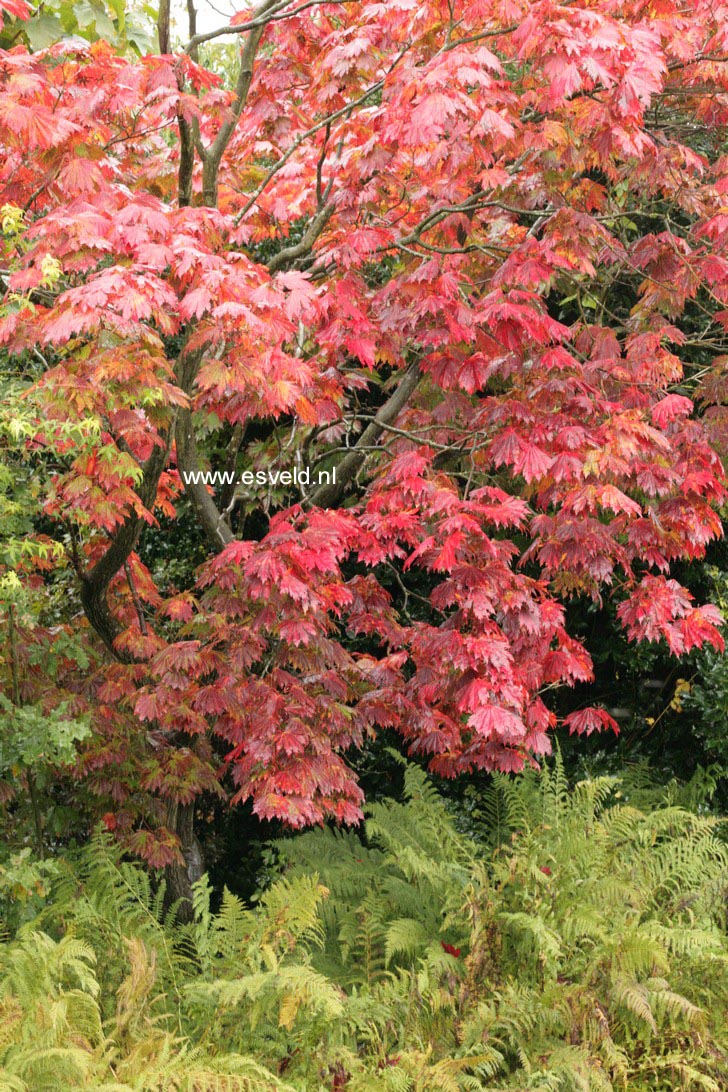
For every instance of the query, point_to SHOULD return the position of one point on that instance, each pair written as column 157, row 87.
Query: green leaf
column 44, row 30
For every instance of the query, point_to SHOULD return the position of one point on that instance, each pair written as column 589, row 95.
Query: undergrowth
column 584, row 948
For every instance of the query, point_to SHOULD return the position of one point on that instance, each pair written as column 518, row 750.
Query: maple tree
column 470, row 255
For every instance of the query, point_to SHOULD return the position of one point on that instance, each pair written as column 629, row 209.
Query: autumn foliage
column 473, row 254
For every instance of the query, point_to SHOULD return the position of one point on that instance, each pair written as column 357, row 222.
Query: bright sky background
column 211, row 14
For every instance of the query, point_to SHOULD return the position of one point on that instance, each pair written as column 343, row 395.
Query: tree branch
column 211, row 519
column 327, row 495
column 192, row 24
column 324, row 123
column 95, row 582
column 211, row 162
column 274, row 16
column 163, row 26
column 481, row 36
column 298, row 250
column 186, row 163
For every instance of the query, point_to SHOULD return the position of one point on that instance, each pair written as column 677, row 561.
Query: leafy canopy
column 470, row 256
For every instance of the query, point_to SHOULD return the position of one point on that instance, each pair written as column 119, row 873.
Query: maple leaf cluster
column 471, row 254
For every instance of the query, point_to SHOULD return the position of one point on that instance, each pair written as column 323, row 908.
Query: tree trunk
column 180, row 878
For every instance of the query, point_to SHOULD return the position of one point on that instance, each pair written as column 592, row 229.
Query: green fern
column 580, row 945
